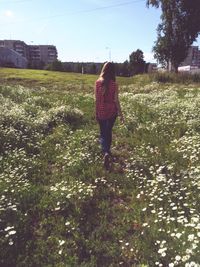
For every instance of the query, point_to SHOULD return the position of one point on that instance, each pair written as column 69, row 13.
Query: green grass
column 59, row 207
column 182, row 78
column 61, row 80
column 38, row 78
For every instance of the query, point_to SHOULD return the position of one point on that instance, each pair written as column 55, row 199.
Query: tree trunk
column 175, row 67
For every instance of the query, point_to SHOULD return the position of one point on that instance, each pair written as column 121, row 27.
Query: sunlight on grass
column 56, row 198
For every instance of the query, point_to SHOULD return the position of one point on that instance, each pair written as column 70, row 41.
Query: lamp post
column 109, row 53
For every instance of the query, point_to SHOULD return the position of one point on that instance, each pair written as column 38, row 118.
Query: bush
column 168, row 77
column 55, row 65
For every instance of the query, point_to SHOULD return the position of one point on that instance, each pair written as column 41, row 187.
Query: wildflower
column 61, row 242
column 191, row 237
column 178, row 235
column 13, row 232
column 11, row 242
column 178, row 258
column 8, row 228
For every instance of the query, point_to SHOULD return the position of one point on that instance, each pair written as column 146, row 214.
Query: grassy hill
column 52, row 79
column 59, row 207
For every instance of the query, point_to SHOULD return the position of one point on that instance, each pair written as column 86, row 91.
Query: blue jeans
column 106, row 133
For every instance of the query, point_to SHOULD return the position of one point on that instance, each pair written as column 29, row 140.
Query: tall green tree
column 179, row 28
column 125, row 69
column 137, row 62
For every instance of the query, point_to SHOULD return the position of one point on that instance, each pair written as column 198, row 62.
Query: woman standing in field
column 107, row 107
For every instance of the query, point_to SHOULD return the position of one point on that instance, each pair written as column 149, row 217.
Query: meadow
column 59, row 207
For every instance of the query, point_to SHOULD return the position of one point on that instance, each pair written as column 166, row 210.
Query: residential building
column 193, row 57
column 16, row 45
column 42, row 53
column 37, row 55
column 10, row 58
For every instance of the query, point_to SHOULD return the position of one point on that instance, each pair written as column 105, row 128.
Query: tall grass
column 59, row 207
column 181, row 78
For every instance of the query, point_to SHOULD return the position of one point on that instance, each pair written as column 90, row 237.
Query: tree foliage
column 125, row 69
column 179, row 28
column 56, row 65
column 137, row 62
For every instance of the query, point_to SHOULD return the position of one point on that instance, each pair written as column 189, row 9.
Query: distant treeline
column 125, row 69
column 135, row 65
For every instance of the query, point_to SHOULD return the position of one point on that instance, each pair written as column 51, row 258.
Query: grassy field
column 52, row 80
column 59, row 207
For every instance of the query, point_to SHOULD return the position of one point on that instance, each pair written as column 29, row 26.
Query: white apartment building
column 34, row 54
column 193, row 57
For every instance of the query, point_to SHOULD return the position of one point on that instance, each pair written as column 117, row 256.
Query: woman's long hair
column 107, row 74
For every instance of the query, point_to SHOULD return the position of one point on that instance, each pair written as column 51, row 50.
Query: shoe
column 112, row 157
column 106, row 161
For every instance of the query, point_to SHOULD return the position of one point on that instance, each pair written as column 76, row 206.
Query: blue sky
column 83, row 30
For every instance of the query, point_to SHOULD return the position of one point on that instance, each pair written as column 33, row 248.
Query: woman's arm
column 95, row 101
column 116, row 99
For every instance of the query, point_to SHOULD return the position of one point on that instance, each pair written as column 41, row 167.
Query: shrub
column 168, row 77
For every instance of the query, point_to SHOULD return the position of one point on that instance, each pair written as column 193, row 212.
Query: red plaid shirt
column 105, row 105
